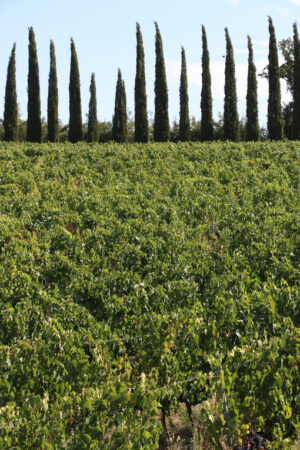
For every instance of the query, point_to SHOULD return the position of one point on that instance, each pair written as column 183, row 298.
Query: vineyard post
column 213, row 228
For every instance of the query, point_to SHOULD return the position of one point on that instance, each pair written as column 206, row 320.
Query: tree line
column 139, row 128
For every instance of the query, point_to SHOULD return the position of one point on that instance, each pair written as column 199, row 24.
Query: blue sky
column 104, row 35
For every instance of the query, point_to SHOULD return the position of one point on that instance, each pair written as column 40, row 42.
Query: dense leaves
column 252, row 127
column 134, row 277
column 119, row 125
column 93, row 127
column 34, row 124
column 161, row 132
column 231, row 119
column 52, row 109
column 75, row 119
column 10, row 121
column 141, row 131
column 206, row 97
column 184, row 119
column 275, row 118
column 296, row 85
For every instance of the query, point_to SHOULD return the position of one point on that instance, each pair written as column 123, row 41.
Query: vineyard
column 140, row 279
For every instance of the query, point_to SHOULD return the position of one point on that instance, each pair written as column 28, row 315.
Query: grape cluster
column 254, row 441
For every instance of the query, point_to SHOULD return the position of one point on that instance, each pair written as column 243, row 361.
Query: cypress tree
column 52, row 98
column 75, row 121
column 34, row 124
column 231, row 120
column 10, row 121
column 206, row 98
column 93, row 128
column 184, row 120
column 140, row 97
column 252, row 127
column 119, row 127
column 296, row 86
column 161, row 115
column 275, row 118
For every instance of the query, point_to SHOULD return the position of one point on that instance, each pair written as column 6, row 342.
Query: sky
column 104, row 32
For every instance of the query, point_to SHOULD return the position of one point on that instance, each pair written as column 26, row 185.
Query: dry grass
column 181, row 435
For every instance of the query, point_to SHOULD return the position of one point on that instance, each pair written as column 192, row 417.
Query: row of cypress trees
column 161, row 119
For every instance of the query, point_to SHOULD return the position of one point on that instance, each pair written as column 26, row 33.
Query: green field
column 140, row 277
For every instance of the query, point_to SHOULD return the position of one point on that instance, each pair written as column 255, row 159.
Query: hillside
column 137, row 277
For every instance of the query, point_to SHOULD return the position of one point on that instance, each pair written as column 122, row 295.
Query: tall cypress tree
column 140, row 97
column 93, row 128
column 53, row 133
column 231, row 120
column 34, row 124
column 252, row 127
column 275, row 118
column 10, row 106
column 296, row 86
column 206, row 98
column 75, row 121
column 184, row 120
column 119, row 127
column 161, row 115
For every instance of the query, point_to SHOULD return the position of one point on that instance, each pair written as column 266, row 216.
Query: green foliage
column 53, row 129
column 34, row 124
column 10, row 121
column 206, row 97
column 93, row 127
column 184, row 119
column 275, row 118
column 252, row 127
column 161, row 115
column 286, row 70
column 119, row 125
column 75, row 120
column 296, row 86
column 140, row 98
column 135, row 277
column 231, row 119
column 105, row 129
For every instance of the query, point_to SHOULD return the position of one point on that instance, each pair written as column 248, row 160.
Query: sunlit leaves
column 130, row 274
